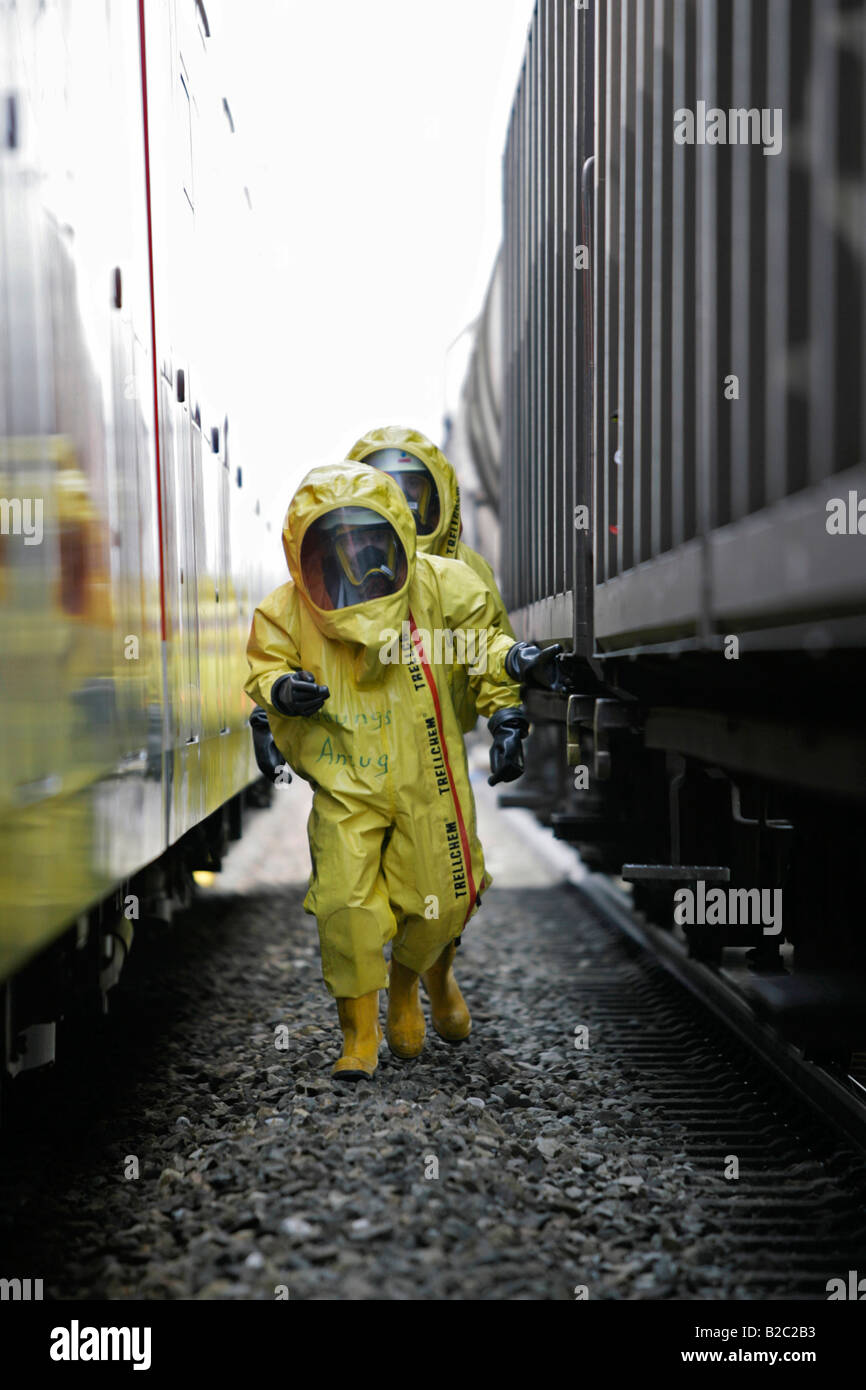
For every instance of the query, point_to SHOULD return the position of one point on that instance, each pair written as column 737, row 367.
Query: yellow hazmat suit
column 445, row 539
column 392, row 830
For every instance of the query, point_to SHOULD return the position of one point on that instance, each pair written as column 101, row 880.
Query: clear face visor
column 351, row 555
column 416, row 482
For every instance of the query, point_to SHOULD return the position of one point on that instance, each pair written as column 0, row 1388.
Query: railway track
column 834, row 1094
column 733, row 1089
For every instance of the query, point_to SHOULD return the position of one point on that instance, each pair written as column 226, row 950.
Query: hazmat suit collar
column 361, row 626
column 442, row 541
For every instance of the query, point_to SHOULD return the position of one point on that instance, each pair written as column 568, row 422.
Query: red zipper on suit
column 461, row 824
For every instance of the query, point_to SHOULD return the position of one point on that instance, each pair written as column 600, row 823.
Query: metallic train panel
column 115, row 743
column 707, row 263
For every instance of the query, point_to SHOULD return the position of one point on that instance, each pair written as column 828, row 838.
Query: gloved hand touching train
column 298, row 693
column 531, row 665
column 509, row 728
column 270, row 760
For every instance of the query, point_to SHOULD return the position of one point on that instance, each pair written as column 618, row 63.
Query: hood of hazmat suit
column 392, row 831
column 358, row 626
column 381, row 448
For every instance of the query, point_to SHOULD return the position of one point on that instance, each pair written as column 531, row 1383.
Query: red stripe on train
column 152, row 319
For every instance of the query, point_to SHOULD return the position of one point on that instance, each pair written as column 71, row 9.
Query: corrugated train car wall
column 745, row 264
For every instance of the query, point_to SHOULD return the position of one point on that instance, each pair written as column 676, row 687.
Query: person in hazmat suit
column 369, row 720
column 430, row 486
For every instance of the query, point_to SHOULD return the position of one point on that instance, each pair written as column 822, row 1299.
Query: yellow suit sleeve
column 467, row 604
column 485, row 573
column 271, row 649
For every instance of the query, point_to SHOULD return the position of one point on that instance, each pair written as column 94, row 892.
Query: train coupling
column 592, row 724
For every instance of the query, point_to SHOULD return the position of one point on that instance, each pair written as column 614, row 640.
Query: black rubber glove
column 271, row 762
column 509, row 727
column 529, row 665
column 297, row 693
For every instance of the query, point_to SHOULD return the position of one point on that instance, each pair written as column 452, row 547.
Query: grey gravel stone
column 510, row 1167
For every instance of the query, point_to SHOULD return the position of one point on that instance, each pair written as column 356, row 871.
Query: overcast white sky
column 373, row 133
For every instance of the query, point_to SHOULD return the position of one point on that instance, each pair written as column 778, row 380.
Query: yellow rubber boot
column 359, row 1020
column 405, row 1028
column 451, row 1017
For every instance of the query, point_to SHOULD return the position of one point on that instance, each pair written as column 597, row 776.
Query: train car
column 131, row 532
column 680, row 440
column 471, row 438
